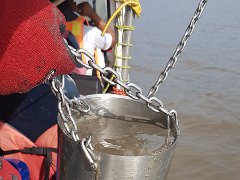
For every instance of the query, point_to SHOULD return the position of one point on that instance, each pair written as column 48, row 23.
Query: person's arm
column 85, row 9
column 32, row 47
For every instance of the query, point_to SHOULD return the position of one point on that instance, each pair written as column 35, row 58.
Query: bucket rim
column 91, row 96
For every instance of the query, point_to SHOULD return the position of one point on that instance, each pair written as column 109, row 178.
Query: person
column 84, row 9
column 32, row 51
column 90, row 37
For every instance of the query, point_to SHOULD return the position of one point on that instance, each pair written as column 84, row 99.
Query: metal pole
column 127, row 43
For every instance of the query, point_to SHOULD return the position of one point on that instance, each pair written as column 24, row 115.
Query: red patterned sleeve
column 31, row 44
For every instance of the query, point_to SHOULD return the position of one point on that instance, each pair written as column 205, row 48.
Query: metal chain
column 130, row 88
column 65, row 105
column 179, row 48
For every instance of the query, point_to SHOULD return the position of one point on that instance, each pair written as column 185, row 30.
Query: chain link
column 179, row 48
column 86, row 146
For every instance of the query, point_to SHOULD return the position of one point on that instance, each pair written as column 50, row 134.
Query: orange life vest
column 17, row 146
column 77, row 29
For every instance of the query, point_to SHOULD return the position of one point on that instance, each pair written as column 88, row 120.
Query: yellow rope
column 125, row 44
column 123, row 67
column 106, row 88
column 130, row 28
column 123, row 58
column 135, row 6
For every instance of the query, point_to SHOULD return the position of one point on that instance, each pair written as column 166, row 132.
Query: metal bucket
column 72, row 163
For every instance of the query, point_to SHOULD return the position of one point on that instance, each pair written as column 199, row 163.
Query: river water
column 203, row 87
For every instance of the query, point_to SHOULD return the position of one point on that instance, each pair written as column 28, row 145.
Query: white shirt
column 92, row 39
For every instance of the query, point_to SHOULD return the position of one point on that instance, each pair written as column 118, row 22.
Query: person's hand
column 85, row 9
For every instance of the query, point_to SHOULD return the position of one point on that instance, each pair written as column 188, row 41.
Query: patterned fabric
column 32, row 45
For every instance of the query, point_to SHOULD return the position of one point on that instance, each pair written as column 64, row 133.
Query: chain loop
column 119, row 82
column 86, row 144
column 65, row 105
column 132, row 86
column 156, row 105
column 130, row 89
column 144, row 98
column 82, row 107
column 110, row 73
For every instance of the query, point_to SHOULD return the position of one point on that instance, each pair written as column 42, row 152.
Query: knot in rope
column 134, row 4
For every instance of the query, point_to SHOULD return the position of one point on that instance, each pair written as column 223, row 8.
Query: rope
column 108, row 85
column 123, row 67
column 130, row 28
column 133, row 3
column 125, row 44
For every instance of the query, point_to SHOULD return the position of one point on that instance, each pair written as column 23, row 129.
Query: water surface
column 127, row 136
column 203, row 87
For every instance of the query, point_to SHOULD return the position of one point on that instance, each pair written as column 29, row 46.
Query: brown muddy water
column 127, row 137
column 203, row 87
